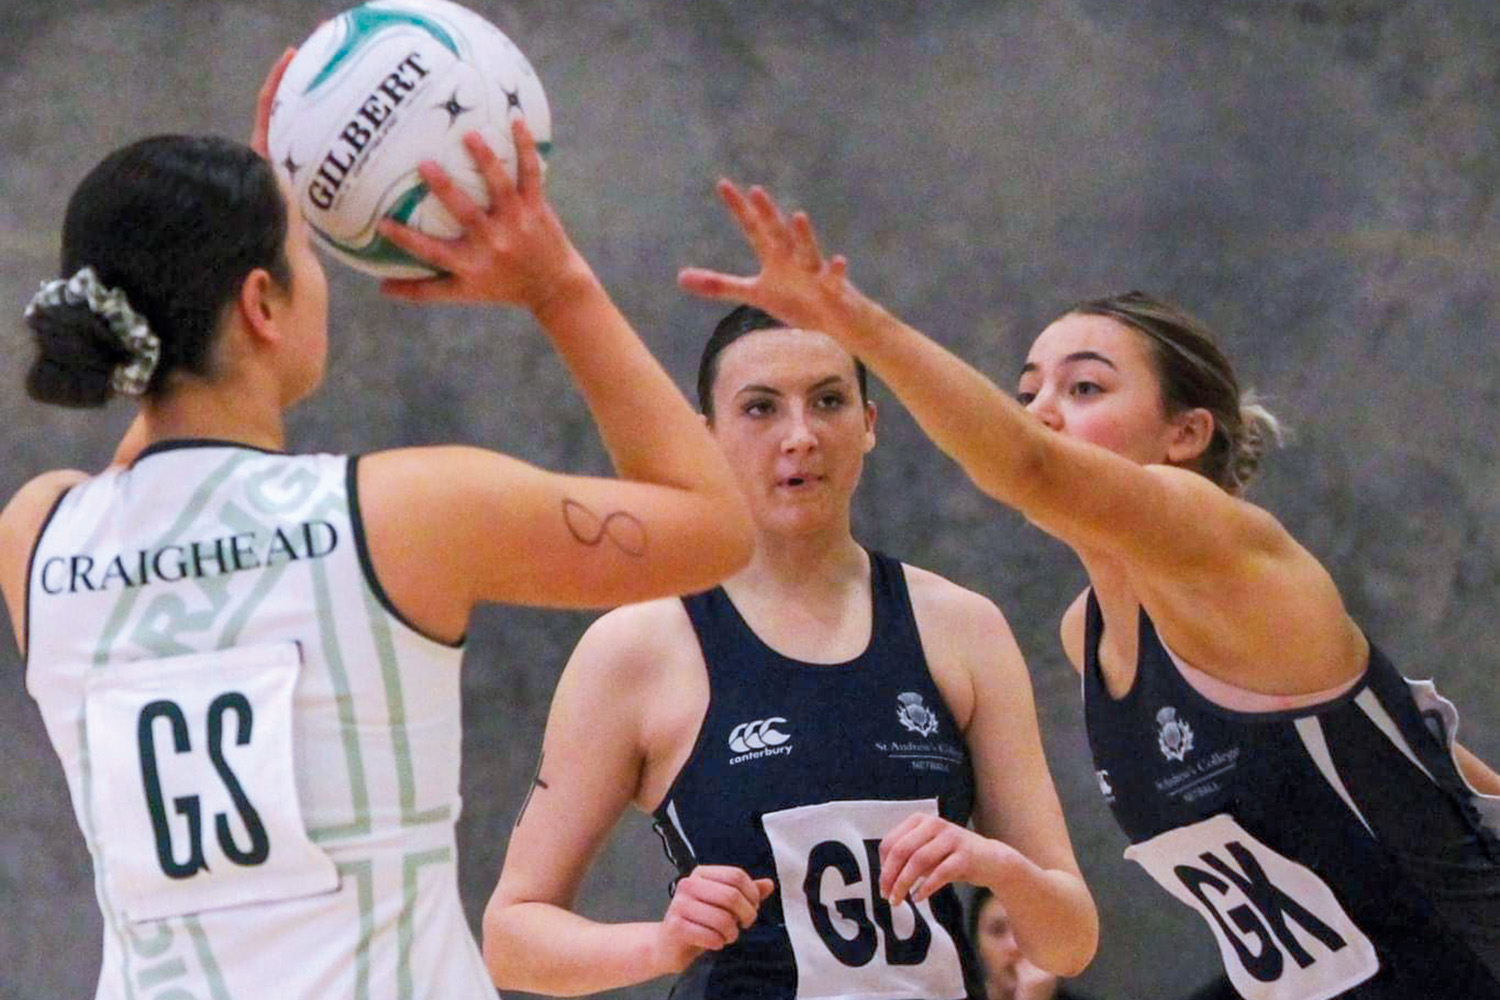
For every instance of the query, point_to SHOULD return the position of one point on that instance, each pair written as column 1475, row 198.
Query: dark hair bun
column 76, row 354
column 174, row 224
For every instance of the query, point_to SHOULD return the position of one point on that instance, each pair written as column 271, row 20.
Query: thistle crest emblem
column 914, row 715
column 1174, row 738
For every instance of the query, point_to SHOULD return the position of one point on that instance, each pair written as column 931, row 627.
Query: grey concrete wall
column 1317, row 179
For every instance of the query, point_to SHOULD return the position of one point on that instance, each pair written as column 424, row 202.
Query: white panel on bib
column 848, row 942
column 193, row 790
column 1282, row 932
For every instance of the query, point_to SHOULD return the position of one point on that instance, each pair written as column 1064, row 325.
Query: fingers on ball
column 528, row 158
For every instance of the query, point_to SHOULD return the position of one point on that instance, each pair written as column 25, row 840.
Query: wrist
column 571, row 286
column 858, row 322
column 1000, row 865
column 662, row 956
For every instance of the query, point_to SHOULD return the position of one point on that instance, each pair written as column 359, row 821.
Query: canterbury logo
column 757, row 735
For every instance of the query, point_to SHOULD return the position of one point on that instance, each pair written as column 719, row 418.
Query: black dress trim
column 367, row 565
column 31, row 568
column 176, row 444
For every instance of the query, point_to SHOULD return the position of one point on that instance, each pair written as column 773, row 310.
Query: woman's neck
column 808, row 566
column 228, row 412
column 808, row 598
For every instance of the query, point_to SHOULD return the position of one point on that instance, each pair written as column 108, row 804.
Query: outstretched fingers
column 776, row 236
column 734, row 200
column 768, row 214
column 750, row 217
column 805, row 249
column 715, row 285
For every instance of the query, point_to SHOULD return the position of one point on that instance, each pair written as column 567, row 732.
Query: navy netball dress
column 1333, row 850
column 798, row 772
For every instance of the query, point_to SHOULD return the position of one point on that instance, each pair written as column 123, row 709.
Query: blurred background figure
column 1008, row 975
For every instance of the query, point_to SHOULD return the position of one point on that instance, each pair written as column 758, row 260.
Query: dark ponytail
column 175, row 224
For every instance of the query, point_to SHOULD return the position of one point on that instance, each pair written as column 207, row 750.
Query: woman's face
column 788, row 415
column 1008, row 975
column 1092, row 378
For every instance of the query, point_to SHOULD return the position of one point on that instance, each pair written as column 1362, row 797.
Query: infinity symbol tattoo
column 621, row 527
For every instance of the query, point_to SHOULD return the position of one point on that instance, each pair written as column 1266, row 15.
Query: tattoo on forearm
column 621, row 527
column 536, row 782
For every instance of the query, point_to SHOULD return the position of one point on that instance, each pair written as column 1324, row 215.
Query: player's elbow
column 1076, row 957
column 506, row 963
column 522, row 952
column 1070, row 953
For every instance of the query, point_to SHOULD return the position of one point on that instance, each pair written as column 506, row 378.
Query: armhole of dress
column 1230, row 698
column 36, row 546
column 1093, row 671
column 893, row 573
column 367, row 565
column 1093, row 632
column 664, row 809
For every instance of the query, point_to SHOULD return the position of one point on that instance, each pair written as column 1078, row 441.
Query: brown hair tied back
column 1194, row 373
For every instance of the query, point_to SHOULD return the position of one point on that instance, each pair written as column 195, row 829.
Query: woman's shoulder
column 21, row 524
column 23, row 515
column 968, row 643
column 939, row 601
column 632, row 671
column 636, row 641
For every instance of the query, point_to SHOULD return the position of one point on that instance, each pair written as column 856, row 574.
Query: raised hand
column 265, row 101
column 514, row 252
column 709, row 909
column 795, row 284
column 925, row 853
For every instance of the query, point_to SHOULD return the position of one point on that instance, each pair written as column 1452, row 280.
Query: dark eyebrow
column 1030, row 366
column 1088, row 356
column 769, row 390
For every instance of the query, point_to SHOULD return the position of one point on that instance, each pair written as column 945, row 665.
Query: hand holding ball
column 377, row 90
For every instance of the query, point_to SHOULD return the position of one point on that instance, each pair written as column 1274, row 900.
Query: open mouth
column 795, row 482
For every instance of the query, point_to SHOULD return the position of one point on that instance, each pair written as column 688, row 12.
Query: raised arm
column 592, row 761
column 1019, row 846
column 496, row 529
column 1191, row 553
column 1081, row 493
